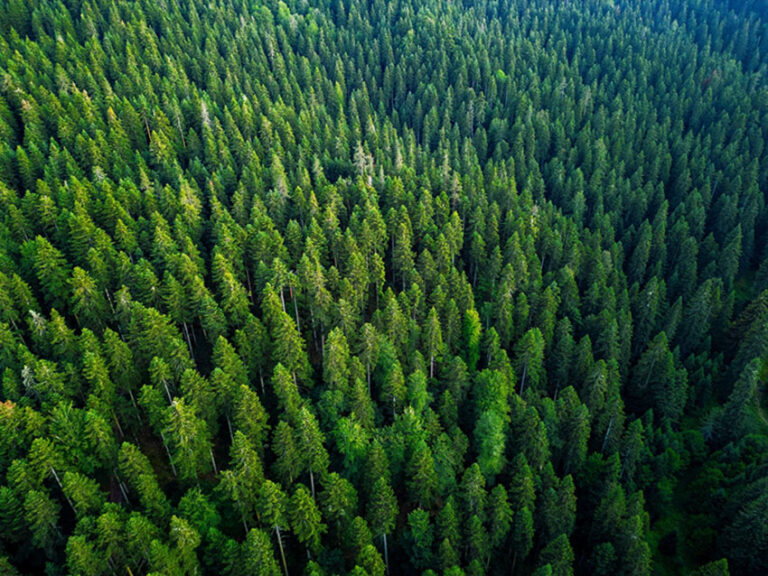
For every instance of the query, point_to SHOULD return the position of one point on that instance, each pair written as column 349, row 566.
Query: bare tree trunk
column 250, row 287
column 170, row 459
column 213, row 461
column 368, row 373
column 650, row 371
column 296, row 311
column 607, row 433
column 122, row 489
column 136, row 407
column 522, row 382
column 189, row 341
column 386, row 553
column 282, row 552
column 229, row 425
column 53, row 470
column 312, row 483
column 245, row 524
column 119, row 428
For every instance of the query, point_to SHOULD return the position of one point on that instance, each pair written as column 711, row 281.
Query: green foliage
column 375, row 288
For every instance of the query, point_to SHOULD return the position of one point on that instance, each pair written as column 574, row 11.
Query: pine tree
column 529, row 355
column 558, row 554
column 305, row 518
column 310, row 445
column 382, row 511
column 422, row 482
column 272, row 506
column 734, row 420
column 433, row 340
column 188, row 435
column 258, row 556
column 421, row 538
column 287, row 464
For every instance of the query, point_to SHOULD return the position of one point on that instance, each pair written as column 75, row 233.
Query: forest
column 368, row 288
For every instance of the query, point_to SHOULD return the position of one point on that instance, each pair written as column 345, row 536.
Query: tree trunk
column 312, row 483
column 62, row 489
column 189, row 341
column 122, row 489
column 650, row 371
column 136, row 407
column 295, row 309
column 213, row 461
column 119, row 428
column 250, row 287
column 368, row 373
column 245, row 524
column 522, row 382
column 229, row 425
column 170, row 459
column 607, row 433
column 386, row 553
column 282, row 552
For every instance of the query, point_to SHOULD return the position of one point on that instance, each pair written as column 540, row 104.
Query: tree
column 573, row 431
column 370, row 560
column 288, row 345
column 433, row 340
column 717, row 568
column 734, row 420
column 500, row 516
column 250, row 417
column 382, row 511
column 190, row 444
column 310, row 445
column 305, row 518
column 137, row 471
column 421, row 538
column 50, row 269
column 288, row 460
column 338, row 501
column 87, row 302
column 258, row 557
column 336, row 361
column 42, row 516
column 490, row 441
column 393, row 390
column 529, row 354
column 656, row 378
column 187, row 539
column 473, row 494
column 369, row 352
column 558, row 554
column 83, row 492
column 522, row 535
column 422, row 479
column 244, row 477
column 471, row 338
column 272, row 506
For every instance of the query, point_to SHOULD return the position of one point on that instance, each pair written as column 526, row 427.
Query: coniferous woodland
column 417, row 287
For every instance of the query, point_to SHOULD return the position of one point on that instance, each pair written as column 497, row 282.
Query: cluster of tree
column 364, row 287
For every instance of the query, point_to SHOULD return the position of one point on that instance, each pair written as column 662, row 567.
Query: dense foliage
column 345, row 287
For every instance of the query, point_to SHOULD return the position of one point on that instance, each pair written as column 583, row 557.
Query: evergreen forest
column 368, row 287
